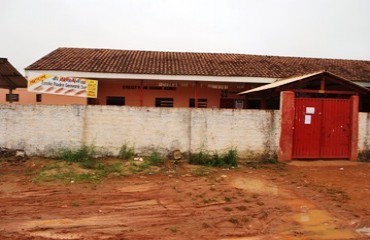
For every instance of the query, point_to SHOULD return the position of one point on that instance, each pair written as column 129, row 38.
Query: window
column 38, row 98
column 254, row 104
column 12, row 97
column 239, row 103
column 93, row 101
column 227, row 103
column 202, row 102
column 118, row 101
column 164, row 102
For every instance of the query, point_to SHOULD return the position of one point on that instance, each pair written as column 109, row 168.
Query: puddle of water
column 53, row 235
column 105, row 220
column 313, row 223
column 256, row 186
column 364, row 230
column 320, row 225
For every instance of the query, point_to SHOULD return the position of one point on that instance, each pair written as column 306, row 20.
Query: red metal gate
column 322, row 128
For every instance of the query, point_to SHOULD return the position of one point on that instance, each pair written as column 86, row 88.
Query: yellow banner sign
column 68, row 86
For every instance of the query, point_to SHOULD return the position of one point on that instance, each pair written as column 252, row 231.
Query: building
column 10, row 79
column 180, row 79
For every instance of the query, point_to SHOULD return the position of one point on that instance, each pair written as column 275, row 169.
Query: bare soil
column 313, row 200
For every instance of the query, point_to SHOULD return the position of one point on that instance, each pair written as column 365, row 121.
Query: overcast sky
column 309, row 28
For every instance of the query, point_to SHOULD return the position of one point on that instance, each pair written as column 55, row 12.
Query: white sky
column 309, row 28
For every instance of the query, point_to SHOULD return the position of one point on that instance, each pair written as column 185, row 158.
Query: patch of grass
column 70, row 176
column 53, row 165
column 263, row 160
column 137, row 167
column 155, row 158
column 200, row 171
column 126, row 152
column 116, row 167
column 227, row 199
column 76, row 155
column 85, row 156
column 214, row 160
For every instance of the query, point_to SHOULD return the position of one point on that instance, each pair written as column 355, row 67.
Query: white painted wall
column 41, row 128
column 38, row 129
column 364, row 131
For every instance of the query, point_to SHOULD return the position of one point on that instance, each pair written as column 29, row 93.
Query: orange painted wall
column 180, row 95
column 130, row 89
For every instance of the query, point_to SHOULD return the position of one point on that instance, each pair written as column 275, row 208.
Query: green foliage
column 200, row 171
column 85, row 156
column 116, row 167
column 231, row 158
column 76, row 155
column 70, row 176
column 126, row 152
column 155, row 158
column 263, row 160
column 204, row 158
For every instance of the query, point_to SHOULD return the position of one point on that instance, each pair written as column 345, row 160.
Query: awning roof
column 287, row 81
column 10, row 78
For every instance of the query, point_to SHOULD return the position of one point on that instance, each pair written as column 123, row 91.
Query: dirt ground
column 316, row 200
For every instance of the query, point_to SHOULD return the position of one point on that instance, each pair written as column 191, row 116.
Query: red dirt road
column 274, row 202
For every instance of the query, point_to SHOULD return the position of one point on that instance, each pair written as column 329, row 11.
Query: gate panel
column 336, row 128
column 306, row 139
column 322, row 128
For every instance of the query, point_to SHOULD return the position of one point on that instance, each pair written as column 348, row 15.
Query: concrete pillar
column 287, row 110
column 354, row 130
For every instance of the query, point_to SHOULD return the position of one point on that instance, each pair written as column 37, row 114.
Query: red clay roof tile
column 203, row 64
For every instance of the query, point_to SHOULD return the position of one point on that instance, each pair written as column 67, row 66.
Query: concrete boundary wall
column 38, row 129
column 364, row 131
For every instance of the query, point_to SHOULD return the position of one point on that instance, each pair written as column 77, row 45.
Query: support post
column 141, row 93
column 354, row 130
column 10, row 95
column 287, row 110
column 196, row 95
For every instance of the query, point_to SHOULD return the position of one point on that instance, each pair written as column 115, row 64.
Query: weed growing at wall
column 261, row 160
column 85, row 156
column 126, row 152
column 76, row 155
column 214, row 160
column 155, row 158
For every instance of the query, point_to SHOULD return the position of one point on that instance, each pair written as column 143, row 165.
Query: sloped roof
column 287, row 81
column 203, row 64
column 10, row 78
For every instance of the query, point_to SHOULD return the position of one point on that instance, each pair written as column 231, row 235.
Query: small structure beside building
column 319, row 115
column 10, row 79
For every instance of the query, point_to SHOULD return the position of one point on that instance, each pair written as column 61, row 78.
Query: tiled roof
column 203, row 64
column 10, row 78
